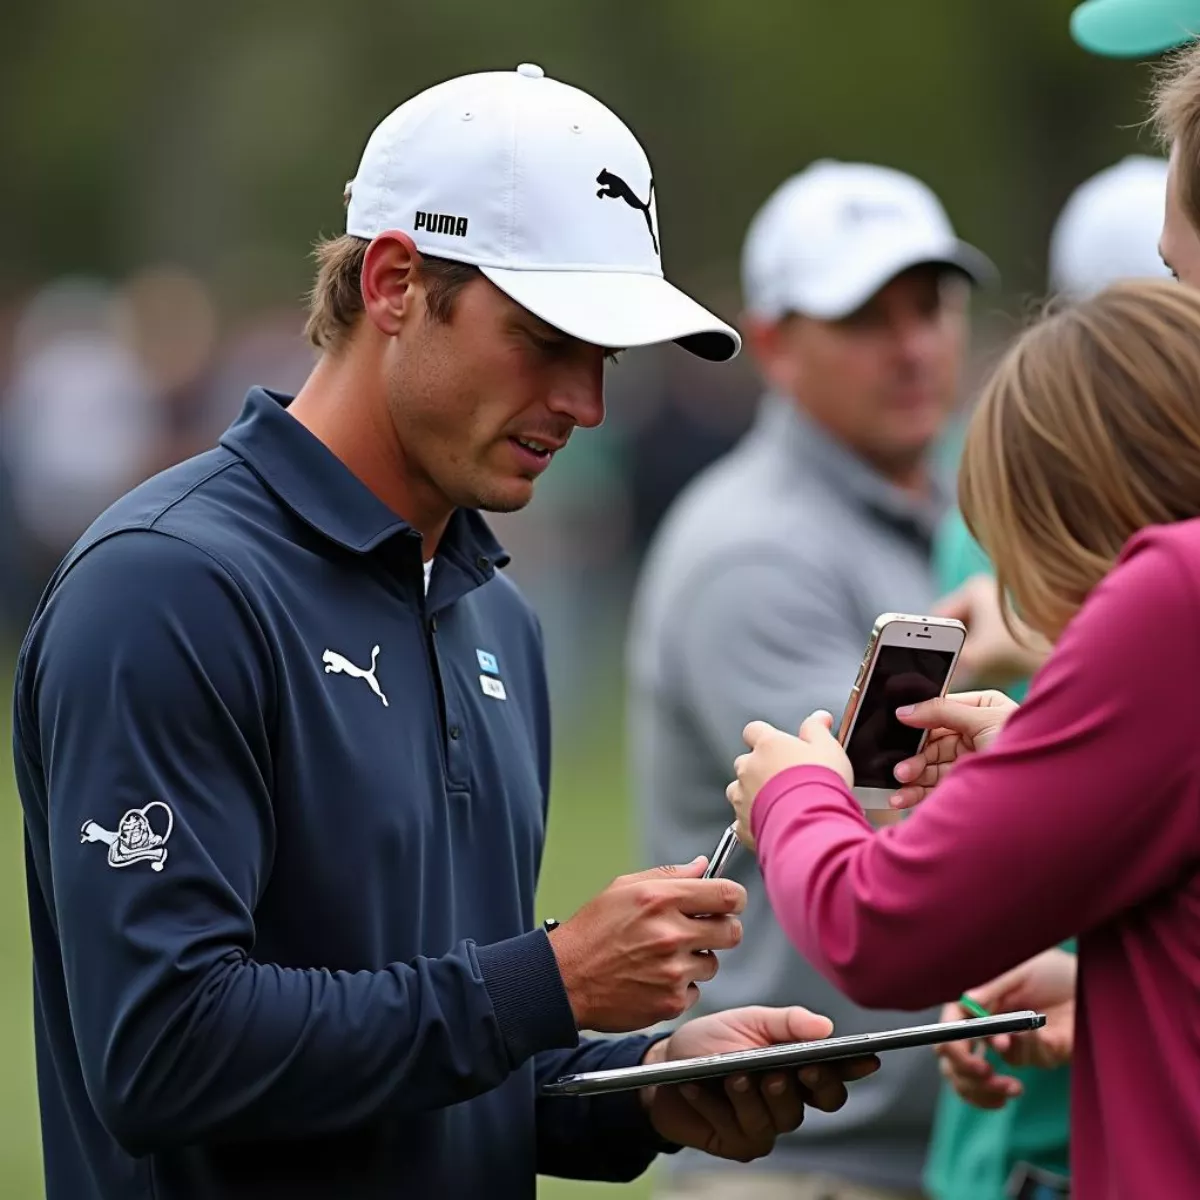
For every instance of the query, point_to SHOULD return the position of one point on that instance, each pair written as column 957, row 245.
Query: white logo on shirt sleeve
column 135, row 840
column 492, row 687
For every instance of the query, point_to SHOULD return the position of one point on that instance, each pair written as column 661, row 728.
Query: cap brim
column 861, row 279
column 616, row 310
column 1134, row 28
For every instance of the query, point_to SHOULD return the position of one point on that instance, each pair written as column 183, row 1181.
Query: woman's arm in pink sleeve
column 1088, row 803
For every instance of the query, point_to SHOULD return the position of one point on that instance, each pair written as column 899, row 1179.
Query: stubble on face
column 462, row 393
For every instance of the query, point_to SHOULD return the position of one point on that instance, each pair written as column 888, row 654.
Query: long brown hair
column 1087, row 431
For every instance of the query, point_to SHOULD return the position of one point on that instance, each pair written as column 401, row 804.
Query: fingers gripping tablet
column 791, row 1054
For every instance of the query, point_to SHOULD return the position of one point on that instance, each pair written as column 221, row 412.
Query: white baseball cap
column 830, row 237
column 546, row 191
column 1109, row 228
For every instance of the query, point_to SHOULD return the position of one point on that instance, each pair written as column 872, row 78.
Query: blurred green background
column 216, row 139
column 20, row 1150
column 219, row 135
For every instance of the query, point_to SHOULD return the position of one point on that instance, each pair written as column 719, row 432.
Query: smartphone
column 908, row 659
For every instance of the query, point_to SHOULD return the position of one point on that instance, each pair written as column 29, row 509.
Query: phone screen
column 902, row 675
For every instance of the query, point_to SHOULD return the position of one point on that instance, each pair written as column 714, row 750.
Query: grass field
column 20, row 1150
column 590, row 841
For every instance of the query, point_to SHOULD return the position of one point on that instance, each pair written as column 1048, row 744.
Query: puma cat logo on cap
column 614, row 185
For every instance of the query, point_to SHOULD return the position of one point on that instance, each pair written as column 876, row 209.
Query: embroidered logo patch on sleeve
column 135, row 839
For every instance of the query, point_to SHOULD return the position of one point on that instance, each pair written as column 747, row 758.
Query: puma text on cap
column 545, row 190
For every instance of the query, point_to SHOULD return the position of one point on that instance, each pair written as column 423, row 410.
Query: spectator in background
column 694, row 416
column 1108, row 230
column 172, row 324
column 79, row 422
column 765, row 578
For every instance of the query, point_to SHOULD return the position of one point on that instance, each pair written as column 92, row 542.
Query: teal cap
column 1134, row 28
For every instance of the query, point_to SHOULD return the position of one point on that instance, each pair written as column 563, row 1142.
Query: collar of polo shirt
column 320, row 489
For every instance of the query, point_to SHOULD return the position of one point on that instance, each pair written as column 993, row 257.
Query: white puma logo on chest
column 338, row 664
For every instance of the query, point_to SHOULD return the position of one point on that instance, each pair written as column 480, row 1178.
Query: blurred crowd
column 103, row 383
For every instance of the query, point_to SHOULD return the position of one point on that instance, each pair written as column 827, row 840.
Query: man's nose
column 916, row 337
column 580, row 397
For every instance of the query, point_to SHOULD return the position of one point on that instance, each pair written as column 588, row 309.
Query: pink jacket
column 1082, row 819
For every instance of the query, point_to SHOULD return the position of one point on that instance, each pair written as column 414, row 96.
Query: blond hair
column 335, row 300
column 1176, row 117
column 1087, row 431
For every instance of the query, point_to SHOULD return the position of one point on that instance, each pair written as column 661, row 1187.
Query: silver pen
column 722, row 854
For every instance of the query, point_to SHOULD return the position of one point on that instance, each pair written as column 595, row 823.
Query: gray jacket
column 756, row 601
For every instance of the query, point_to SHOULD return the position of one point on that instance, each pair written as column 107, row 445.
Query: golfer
column 283, row 745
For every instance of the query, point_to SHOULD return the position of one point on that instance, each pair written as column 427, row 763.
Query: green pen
column 973, row 1007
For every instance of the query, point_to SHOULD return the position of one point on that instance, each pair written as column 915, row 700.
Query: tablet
column 790, row 1054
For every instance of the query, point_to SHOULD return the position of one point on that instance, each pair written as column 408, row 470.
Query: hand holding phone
column 908, row 659
column 958, row 724
column 773, row 751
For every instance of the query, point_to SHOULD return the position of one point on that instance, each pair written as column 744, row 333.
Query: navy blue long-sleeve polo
column 285, row 816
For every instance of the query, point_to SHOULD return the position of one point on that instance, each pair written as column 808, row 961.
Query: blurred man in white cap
column 283, row 745
column 987, row 1143
column 1109, row 228
column 764, row 580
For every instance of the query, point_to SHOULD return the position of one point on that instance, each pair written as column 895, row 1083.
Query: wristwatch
column 549, row 924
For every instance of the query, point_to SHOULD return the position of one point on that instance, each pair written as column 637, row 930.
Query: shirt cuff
column 787, row 782
column 528, row 997
column 623, row 1113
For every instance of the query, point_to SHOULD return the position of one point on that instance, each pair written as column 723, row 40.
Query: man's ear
column 388, row 281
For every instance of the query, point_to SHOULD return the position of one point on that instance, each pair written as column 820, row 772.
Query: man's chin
column 512, row 497
column 908, row 442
